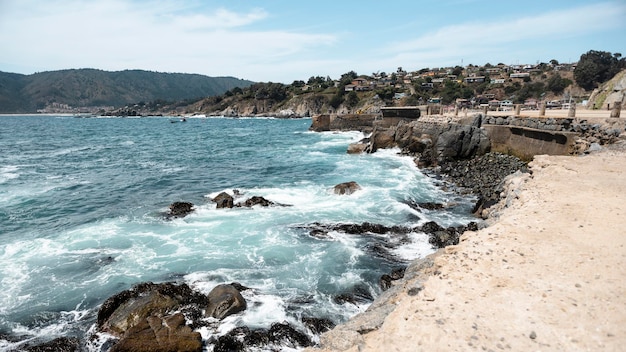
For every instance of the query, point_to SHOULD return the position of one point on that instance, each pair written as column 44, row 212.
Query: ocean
column 82, row 203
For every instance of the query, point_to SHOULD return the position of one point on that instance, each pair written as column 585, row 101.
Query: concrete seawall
column 525, row 143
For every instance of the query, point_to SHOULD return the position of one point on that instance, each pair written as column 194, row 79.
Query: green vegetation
column 596, row 67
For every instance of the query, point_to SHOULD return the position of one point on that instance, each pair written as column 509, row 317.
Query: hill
column 357, row 94
column 91, row 88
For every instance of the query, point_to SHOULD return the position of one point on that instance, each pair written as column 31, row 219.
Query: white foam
column 419, row 247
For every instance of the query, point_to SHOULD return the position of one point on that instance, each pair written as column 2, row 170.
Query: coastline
column 547, row 274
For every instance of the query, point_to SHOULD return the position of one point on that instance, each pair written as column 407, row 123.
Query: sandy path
column 549, row 275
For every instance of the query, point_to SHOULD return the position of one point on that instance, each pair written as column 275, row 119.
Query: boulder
column 256, row 200
column 356, row 148
column 462, row 142
column 318, row 325
column 386, row 279
column 121, row 311
column 65, row 344
column 225, row 300
column 180, row 209
column 245, row 339
column 347, row 188
column 147, row 318
column 382, row 138
column 160, row 334
column 224, row 200
column 447, row 237
column 358, row 294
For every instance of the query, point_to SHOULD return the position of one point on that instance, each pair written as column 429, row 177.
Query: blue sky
column 287, row 40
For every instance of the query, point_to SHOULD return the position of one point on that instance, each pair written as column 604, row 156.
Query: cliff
column 605, row 96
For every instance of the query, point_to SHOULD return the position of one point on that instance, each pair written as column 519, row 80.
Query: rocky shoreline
column 165, row 316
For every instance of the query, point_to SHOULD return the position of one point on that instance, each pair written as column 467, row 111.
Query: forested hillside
column 97, row 88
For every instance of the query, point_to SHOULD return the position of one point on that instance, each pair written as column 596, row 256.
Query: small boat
column 181, row 120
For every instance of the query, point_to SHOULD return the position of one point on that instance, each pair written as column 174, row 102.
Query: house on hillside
column 475, row 79
column 519, row 75
column 359, row 84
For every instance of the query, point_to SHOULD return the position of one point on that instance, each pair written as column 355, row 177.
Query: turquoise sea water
column 81, row 202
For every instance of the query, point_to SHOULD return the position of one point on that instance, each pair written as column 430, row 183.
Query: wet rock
column 160, row 334
column 356, row 148
column 180, row 209
column 318, row 325
column 321, row 231
column 122, row 312
column 441, row 237
column 381, row 138
column 444, row 238
column 244, row 339
column 285, row 335
column 256, row 200
column 347, row 188
column 224, row 200
column 386, row 279
column 483, row 204
column 225, row 300
column 65, row 344
column 358, row 294
column 431, row 206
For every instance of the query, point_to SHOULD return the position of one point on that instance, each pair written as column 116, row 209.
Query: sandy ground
column 548, row 275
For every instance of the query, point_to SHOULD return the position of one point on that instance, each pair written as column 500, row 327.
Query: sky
column 287, row 40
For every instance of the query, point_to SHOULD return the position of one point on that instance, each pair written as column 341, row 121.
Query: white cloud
column 220, row 19
column 493, row 35
column 155, row 35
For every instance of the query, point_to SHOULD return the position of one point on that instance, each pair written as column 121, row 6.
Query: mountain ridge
column 93, row 88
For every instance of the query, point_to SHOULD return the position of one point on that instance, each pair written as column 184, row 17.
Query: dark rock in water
column 285, row 335
column 386, row 279
column 483, row 204
column 230, row 342
column 318, row 325
column 239, row 286
column 357, row 294
column 430, row 227
column 256, row 200
column 243, row 338
column 120, row 313
column 64, row 344
column 356, row 148
column 347, row 188
column 382, row 250
column 370, row 227
column 441, row 237
column 225, row 300
column 160, row 334
column 447, row 237
column 224, row 200
column 431, row 206
column 381, row 138
column 180, row 209
column 321, row 231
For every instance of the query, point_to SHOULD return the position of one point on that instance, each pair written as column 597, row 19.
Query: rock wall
column 605, row 96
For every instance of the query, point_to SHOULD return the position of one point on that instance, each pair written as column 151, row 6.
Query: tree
column 336, row 100
column 352, row 99
column 347, row 78
column 554, row 62
column 596, row 67
column 557, row 84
